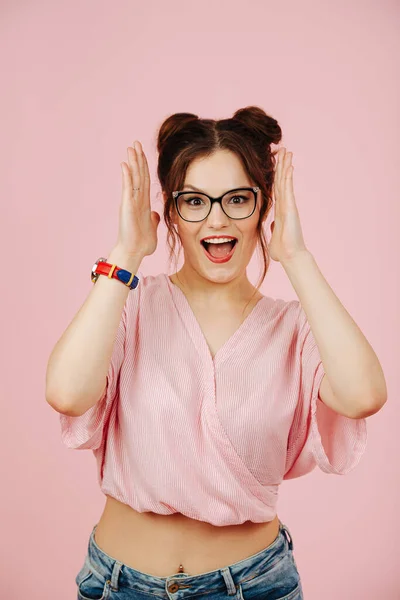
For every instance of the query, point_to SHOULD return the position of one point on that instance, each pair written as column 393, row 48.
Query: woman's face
column 215, row 175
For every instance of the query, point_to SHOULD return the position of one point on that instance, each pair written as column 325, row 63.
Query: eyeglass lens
column 195, row 206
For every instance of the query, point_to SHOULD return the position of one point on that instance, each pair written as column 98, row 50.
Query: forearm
column 351, row 365
column 78, row 365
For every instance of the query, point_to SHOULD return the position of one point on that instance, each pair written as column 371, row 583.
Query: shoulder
column 286, row 313
column 150, row 289
column 282, row 321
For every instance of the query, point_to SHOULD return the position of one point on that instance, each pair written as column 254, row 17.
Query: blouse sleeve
column 319, row 435
column 87, row 431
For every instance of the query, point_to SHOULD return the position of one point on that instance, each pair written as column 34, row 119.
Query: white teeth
column 218, row 240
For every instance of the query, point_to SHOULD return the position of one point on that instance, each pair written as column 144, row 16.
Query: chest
column 219, row 326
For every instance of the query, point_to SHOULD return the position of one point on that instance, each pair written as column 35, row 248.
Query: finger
column 144, row 174
column 289, row 189
column 286, row 163
column 146, row 171
column 277, row 183
column 286, row 175
column 277, row 177
column 139, row 156
column 281, row 155
column 126, row 183
column 134, row 171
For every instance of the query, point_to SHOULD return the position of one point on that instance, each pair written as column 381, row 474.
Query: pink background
column 80, row 82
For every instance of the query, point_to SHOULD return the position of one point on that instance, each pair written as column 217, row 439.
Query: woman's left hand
column 287, row 237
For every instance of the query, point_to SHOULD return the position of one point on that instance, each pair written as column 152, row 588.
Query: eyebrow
column 187, row 185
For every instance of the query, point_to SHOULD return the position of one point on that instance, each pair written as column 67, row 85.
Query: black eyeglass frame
column 253, row 189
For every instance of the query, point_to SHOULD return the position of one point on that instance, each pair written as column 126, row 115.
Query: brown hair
column 184, row 137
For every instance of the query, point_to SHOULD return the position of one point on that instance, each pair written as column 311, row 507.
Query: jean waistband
column 120, row 574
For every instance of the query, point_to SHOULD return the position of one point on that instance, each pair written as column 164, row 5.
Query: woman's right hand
column 138, row 224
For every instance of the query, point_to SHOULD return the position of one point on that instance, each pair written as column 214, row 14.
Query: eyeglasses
column 239, row 203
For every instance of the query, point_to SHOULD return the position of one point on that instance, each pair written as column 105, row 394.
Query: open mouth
column 219, row 251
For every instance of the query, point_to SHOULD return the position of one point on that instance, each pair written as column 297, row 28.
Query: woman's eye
column 192, row 200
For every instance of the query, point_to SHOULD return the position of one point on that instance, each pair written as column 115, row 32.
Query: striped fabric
column 180, row 431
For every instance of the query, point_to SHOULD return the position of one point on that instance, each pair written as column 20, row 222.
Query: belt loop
column 115, row 574
column 230, row 584
column 288, row 535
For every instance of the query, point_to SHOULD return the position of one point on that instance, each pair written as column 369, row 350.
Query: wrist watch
column 102, row 267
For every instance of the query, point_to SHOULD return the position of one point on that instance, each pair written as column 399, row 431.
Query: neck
column 205, row 291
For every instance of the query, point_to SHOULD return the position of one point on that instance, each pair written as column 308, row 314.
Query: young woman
column 198, row 394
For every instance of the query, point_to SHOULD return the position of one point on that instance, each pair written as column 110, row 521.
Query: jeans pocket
column 294, row 562
column 281, row 581
column 91, row 584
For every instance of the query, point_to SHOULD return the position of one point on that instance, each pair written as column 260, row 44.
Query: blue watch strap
column 126, row 277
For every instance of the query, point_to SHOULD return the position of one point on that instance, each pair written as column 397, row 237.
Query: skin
column 211, row 283
column 345, row 353
column 225, row 289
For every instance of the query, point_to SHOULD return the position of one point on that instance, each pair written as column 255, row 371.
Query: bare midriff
column 159, row 544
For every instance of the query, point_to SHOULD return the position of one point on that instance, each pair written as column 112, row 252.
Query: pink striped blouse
column 180, row 431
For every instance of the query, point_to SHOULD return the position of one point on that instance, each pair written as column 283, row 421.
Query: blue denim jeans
column 271, row 574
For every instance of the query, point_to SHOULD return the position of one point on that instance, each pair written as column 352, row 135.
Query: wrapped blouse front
column 177, row 430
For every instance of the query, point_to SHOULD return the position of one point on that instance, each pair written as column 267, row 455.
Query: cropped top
column 178, row 430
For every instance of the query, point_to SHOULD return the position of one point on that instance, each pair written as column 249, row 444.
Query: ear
column 174, row 216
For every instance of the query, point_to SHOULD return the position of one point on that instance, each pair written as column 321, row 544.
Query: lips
column 222, row 259
column 210, row 237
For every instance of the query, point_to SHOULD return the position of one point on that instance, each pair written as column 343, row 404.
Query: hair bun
column 173, row 125
column 261, row 124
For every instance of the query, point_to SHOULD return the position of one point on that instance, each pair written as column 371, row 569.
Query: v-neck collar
column 196, row 333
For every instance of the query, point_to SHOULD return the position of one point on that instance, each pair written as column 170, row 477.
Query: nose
column 217, row 215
